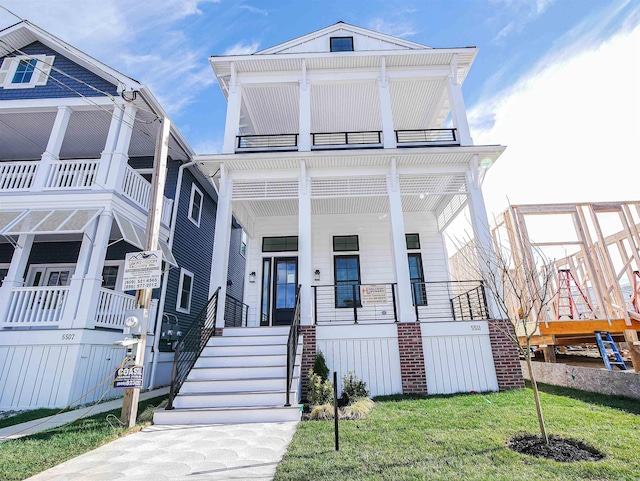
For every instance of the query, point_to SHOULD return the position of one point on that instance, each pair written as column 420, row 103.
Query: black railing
column 470, row 305
column 331, row 139
column 292, row 346
column 267, row 142
column 193, row 342
column 413, row 138
column 355, row 303
column 235, row 312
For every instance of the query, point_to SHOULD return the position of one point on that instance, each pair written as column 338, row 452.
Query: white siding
column 458, row 357
column 370, row 351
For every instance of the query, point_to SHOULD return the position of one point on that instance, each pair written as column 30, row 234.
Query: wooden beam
column 586, row 326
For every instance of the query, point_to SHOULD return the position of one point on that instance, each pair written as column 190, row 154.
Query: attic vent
column 341, row 44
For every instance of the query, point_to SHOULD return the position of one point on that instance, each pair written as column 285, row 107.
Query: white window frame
column 40, row 73
column 179, row 308
column 7, row 266
column 120, row 266
column 46, row 269
column 243, row 244
column 195, row 189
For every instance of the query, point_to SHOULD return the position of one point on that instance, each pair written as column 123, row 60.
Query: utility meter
column 135, row 321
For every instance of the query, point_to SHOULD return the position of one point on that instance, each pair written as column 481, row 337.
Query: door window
column 416, row 274
column 347, row 272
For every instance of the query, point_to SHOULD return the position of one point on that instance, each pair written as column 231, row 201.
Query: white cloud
column 571, row 128
column 251, row 9
column 520, row 13
column 396, row 29
column 242, row 48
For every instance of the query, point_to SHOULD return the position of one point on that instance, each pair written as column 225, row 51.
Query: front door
column 285, row 281
column 49, row 276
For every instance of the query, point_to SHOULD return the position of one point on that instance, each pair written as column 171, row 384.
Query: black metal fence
column 355, row 303
column 326, row 139
column 191, row 345
column 450, row 300
column 425, row 136
column 235, row 312
column 292, row 346
column 258, row 143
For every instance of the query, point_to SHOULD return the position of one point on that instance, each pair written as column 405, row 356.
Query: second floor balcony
column 347, row 140
column 75, row 176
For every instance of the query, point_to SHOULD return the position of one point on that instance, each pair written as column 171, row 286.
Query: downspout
column 165, row 281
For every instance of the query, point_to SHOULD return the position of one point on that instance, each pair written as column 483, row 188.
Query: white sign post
column 142, row 270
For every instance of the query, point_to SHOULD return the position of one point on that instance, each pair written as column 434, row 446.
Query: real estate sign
column 142, row 270
column 373, row 294
column 129, row 377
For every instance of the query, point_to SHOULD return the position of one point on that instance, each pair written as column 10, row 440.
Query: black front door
column 285, row 280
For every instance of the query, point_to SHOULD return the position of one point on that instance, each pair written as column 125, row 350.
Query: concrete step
column 256, row 414
column 233, row 399
column 246, row 350
column 241, row 360
column 256, row 331
column 247, row 340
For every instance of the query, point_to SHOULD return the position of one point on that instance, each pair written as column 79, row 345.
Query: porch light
column 316, row 275
column 252, row 277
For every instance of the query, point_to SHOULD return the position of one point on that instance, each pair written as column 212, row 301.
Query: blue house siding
column 6, row 253
column 59, row 85
column 193, row 249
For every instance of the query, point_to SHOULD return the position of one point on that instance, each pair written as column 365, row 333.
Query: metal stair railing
column 292, row 346
column 191, row 345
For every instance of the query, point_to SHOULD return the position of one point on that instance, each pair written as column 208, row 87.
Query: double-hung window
column 185, row 288
column 195, row 205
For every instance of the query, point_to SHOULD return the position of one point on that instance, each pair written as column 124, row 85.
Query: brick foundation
column 308, row 356
column 505, row 356
column 219, row 331
column 412, row 369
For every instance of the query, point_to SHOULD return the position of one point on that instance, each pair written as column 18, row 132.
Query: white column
column 304, row 246
column 15, row 275
column 481, row 232
column 109, row 148
column 304, row 121
column 458, row 112
column 120, row 156
column 232, row 123
column 54, row 145
column 388, row 131
column 86, row 312
column 221, row 244
column 406, row 312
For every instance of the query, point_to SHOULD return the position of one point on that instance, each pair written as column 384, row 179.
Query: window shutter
column 4, row 69
column 44, row 69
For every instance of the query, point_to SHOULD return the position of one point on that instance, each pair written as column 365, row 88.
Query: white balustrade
column 138, row 189
column 17, row 175
column 36, row 306
column 72, row 174
column 111, row 308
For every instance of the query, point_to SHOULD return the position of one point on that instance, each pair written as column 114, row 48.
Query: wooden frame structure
column 598, row 288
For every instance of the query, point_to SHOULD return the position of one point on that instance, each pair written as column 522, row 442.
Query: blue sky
column 523, row 44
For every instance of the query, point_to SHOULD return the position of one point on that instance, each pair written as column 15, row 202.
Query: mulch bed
column 558, row 449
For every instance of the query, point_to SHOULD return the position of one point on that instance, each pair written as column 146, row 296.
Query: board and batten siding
column 369, row 351
column 59, row 85
column 458, row 357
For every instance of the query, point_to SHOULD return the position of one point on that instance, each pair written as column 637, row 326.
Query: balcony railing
column 17, row 175
column 449, row 300
column 36, row 306
column 235, row 312
column 138, row 189
column 72, row 174
column 347, row 139
column 355, row 303
column 421, row 138
column 111, row 308
column 262, row 143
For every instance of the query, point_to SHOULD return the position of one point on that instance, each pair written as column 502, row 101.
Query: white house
column 77, row 140
column 346, row 154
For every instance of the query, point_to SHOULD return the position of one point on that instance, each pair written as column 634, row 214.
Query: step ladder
column 605, row 341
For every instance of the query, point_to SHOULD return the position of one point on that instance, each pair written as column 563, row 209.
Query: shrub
column 354, row 387
column 320, row 391
column 320, row 366
column 358, row 409
column 322, row 413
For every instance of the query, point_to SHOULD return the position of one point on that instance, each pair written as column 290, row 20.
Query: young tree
column 518, row 281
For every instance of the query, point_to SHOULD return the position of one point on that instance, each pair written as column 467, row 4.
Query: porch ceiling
column 24, row 136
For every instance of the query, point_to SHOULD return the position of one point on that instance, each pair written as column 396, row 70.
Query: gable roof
column 397, row 43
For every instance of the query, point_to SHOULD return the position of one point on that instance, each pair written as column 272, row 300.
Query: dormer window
column 25, row 72
column 341, row 44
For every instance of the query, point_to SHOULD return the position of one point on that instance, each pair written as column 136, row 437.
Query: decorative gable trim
column 39, row 76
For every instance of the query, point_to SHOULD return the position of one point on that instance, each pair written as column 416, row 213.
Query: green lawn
column 27, row 416
column 463, row 438
column 24, row 457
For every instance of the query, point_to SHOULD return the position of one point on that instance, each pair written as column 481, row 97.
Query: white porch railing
column 17, row 175
column 111, row 308
column 138, row 189
column 36, row 306
column 72, row 174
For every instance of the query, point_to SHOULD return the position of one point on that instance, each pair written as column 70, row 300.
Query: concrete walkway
column 38, row 425
column 159, row 453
